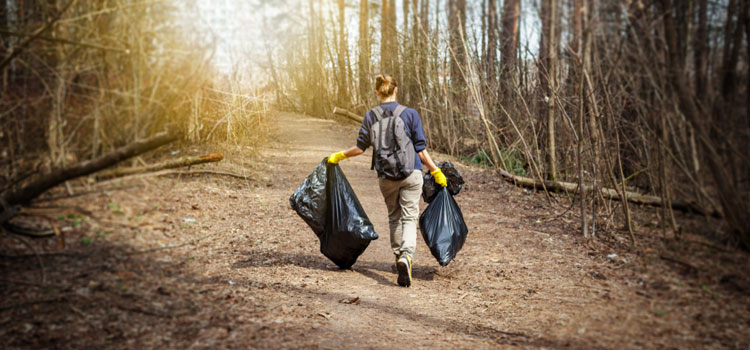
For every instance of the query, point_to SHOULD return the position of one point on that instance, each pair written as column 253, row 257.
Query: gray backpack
column 393, row 152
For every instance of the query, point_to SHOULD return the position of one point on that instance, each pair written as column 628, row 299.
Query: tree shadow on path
column 268, row 258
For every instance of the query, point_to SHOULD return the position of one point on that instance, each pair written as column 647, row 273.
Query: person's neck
column 389, row 99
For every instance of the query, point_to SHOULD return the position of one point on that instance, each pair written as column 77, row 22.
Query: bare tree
column 547, row 78
column 364, row 51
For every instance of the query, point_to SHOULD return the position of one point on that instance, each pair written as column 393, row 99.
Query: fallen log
column 170, row 164
column 345, row 113
column 608, row 193
column 23, row 194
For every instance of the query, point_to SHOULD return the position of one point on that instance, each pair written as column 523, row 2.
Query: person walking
column 399, row 153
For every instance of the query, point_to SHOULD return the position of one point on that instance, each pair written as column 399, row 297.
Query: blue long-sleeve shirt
column 413, row 125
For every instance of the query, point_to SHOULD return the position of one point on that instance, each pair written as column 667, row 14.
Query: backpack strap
column 399, row 109
column 378, row 112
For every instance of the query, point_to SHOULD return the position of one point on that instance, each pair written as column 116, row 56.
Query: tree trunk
column 579, row 146
column 732, row 41
column 509, row 33
column 747, row 81
column 385, row 45
column 547, row 74
column 365, row 88
column 491, row 51
column 509, row 36
column 457, row 24
column 701, row 52
column 735, row 209
column 393, row 46
column 343, row 96
column 404, row 60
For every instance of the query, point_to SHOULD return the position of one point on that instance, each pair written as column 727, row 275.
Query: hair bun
column 385, row 85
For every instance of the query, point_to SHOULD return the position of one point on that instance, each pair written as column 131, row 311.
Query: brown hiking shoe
column 404, row 271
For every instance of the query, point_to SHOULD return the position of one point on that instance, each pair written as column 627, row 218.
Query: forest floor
column 217, row 262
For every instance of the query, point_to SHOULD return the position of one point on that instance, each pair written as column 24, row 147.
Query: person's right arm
column 363, row 141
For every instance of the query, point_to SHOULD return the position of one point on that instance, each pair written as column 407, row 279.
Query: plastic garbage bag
column 443, row 227
column 309, row 199
column 455, row 182
column 327, row 203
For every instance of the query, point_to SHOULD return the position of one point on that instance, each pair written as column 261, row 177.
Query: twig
column 212, row 172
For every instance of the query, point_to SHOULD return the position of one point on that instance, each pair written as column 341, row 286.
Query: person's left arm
column 420, row 146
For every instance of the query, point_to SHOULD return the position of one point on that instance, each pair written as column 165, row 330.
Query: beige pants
column 402, row 199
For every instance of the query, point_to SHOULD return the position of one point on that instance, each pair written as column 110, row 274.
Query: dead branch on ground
column 170, row 164
column 608, row 193
column 348, row 114
column 22, row 195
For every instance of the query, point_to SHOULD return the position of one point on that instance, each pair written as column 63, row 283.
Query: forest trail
column 206, row 262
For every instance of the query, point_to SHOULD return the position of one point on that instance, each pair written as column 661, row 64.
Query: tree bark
column 701, row 52
column 547, row 74
column 393, row 46
column 23, row 194
column 457, row 24
column 747, row 48
column 385, row 43
column 509, row 33
column 365, row 89
column 732, row 42
column 343, row 96
column 491, row 51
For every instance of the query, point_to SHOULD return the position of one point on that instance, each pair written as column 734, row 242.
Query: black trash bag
column 348, row 229
column 327, row 203
column 309, row 199
column 455, row 182
column 443, row 227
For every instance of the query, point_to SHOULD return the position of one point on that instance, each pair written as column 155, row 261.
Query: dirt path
column 207, row 262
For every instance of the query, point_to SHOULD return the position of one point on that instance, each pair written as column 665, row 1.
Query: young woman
column 401, row 196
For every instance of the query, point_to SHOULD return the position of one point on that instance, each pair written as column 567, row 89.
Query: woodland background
column 612, row 99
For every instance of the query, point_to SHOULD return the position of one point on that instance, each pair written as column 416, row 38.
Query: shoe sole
column 403, row 275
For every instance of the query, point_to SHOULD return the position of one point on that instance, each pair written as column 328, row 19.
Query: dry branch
column 170, row 164
column 608, row 193
column 184, row 172
column 21, row 195
column 346, row 113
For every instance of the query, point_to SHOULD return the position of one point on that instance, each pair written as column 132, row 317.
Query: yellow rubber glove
column 337, row 157
column 439, row 177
